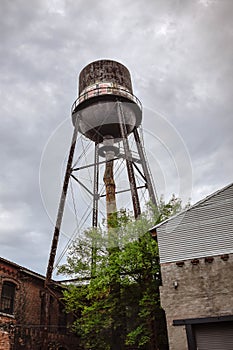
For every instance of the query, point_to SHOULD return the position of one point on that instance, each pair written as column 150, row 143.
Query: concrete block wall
column 195, row 289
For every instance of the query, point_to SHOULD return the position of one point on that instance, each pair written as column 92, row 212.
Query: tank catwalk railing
column 105, row 89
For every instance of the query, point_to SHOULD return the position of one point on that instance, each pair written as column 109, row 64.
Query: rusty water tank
column 101, row 84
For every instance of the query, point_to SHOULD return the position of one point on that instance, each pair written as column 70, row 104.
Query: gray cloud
column 180, row 57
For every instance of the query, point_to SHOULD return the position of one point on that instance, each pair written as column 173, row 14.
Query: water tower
column 107, row 113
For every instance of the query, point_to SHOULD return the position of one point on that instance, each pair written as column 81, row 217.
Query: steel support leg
column 61, row 207
column 95, row 209
column 145, row 167
column 96, row 187
column 129, row 164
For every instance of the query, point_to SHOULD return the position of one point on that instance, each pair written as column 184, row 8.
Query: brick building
column 22, row 312
column 196, row 257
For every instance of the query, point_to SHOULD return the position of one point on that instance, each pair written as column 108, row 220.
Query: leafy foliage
column 116, row 293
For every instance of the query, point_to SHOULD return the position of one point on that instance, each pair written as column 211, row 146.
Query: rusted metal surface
column 95, row 209
column 105, row 71
column 109, row 182
column 101, row 84
column 110, row 189
column 61, row 208
column 129, row 163
column 96, row 187
column 145, row 168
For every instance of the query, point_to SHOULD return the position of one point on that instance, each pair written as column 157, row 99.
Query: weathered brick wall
column 28, row 302
column 204, row 289
column 28, row 296
column 4, row 340
column 25, row 328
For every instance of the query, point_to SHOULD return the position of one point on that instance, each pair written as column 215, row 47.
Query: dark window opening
column 8, row 298
column 62, row 319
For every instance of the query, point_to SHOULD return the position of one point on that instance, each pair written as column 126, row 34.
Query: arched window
column 8, row 297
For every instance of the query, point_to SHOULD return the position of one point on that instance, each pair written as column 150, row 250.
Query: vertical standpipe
column 110, row 186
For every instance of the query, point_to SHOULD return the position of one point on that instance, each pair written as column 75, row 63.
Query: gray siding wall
column 204, row 230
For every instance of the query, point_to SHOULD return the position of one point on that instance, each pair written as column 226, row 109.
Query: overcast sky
column 180, row 56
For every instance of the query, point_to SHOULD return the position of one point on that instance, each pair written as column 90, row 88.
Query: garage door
column 214, row 336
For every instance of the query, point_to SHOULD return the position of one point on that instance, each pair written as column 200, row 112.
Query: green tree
column 117, row 277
